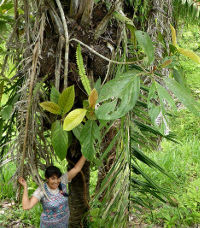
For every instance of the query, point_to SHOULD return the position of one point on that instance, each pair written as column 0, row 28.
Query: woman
column 55, row 201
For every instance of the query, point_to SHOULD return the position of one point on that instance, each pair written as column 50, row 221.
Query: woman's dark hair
column 51, row 171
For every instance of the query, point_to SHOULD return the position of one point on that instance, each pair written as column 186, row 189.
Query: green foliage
column 16, row 215
column 51, row 107
column 141, row 11
column 6, row 18
column 60, row 140
column 146, row 44
column 6, row 112
column 13, row 212
column 81, row 68
column 54, row 96
column 159, row 102
column 181, row 161
column 188, row 125
column 178, row 76
column 123, row 18
column 187, row 9
column 1, row 91
column 89, row 133
column 118, row 96
column 66, row 99
column 183, row 95
column 188, row 53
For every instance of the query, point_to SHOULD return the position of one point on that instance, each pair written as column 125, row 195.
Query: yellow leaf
column 166, row 63
column 189, row 54
column 51, row 107
column 93, row 98
column 173, row 35
column 74, row 118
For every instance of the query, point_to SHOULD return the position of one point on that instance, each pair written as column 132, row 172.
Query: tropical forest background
column 116, row 81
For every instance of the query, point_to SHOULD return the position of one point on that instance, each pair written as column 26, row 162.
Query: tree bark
column 78, row 189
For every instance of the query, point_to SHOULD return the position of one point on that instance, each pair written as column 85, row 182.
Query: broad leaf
column 183, row 95
column 97, row 85
column 118, row 96
column 51, row 107
column 89, row 133
column 179, row 77
column 77, row 131
column 60, row 140
column 66, row 99
column 145, row 42
column 6, row 112
column 165, row 97
column 73, row 119
column 54, row 96
column 157, row 99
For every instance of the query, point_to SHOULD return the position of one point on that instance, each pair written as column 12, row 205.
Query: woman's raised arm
column 76, row 169
column 26, row 202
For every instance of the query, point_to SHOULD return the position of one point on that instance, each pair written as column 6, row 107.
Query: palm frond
column 187, row 9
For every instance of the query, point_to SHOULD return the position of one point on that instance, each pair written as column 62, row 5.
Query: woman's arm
column 77, row 168
column 26, row 202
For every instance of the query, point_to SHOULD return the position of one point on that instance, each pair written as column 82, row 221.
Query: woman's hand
column 22, row 182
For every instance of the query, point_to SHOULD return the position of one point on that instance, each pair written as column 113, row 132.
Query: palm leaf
column 81, row 68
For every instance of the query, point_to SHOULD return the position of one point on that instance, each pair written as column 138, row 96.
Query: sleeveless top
column 55, row 209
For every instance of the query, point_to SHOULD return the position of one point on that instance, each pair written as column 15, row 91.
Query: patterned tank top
column 55, row 210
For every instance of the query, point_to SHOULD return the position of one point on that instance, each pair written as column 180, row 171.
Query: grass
column 182, row 162
column 16, row 215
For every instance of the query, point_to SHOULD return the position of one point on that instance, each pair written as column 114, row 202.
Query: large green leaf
column 179, row 77
column 164, row 97
column 118, row 96
column 6, row 112
column 54, row 96
column 145, row 42
column 66, row 99
column 153, row 109
column 73, row 119
column 183, row 95
column 51, row 107
column 89, row 133
column 59, row 139
column 77, row 131
column 159, row 102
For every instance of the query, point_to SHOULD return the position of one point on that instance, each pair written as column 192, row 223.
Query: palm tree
column 44, row 46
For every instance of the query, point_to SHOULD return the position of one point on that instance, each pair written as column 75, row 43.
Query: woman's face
column 53, row 182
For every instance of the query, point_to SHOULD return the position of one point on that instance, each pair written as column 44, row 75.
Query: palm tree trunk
column 78, row 189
